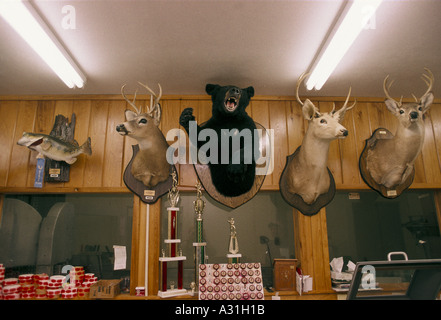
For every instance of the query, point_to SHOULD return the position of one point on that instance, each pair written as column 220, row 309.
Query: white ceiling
column 186, row 44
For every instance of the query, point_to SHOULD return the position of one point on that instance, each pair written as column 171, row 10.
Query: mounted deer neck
column 307, row 172
column 150, row 165
column 390, row 161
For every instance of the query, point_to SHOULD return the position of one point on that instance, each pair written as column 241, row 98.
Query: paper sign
column 120, row 257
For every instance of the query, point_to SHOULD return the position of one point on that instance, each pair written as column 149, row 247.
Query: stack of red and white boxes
column 11, row 289
column 2, row 277
column 53, row 289
column 41, row 281
column 84, row 288
column 27, row 288
column 41, row 286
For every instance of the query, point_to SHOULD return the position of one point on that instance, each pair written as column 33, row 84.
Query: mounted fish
column 59, row 148
column 54, row 148
column 306, row 183
column 387, row 161
column 148, row 173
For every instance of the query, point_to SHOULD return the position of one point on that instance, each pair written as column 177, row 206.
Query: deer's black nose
column 414, row 115
column 345, row 133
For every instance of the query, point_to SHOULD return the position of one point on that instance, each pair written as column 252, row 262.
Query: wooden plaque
column 204, row 175
column 390, row 193
column 296, row 201
column 285, row 274
column 147, row 195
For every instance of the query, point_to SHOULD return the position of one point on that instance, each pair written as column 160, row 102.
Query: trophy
column 200, row 244
column 233, row 247
column 174, row 255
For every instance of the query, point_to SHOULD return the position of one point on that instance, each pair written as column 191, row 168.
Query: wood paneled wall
column 97, row 117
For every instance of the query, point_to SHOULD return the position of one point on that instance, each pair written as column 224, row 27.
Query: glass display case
column 394, row 280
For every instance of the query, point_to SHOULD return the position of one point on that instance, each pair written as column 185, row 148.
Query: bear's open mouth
column 231, row 104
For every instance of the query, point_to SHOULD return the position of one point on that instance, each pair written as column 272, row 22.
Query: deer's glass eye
column 401, row 111
column 142, row 120
column 323, row 121
column 420, row 109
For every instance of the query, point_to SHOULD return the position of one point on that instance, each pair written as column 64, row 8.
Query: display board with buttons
column 232, row 281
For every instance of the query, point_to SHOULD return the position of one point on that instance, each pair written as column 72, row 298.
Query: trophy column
column 199, row 245
column 172, row 243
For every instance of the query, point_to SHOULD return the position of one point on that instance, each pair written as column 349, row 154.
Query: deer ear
column 392, row 106
column 130, row 115
column 309, row 110
column 426, row 101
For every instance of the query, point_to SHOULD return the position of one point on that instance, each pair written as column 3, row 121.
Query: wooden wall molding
column 98, row 115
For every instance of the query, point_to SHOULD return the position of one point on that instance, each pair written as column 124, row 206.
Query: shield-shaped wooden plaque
column 390, row 193
column 147, row 195
column 204, row 175
column 296, row 201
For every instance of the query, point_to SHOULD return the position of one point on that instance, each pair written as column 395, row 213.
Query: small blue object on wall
column 39, row 172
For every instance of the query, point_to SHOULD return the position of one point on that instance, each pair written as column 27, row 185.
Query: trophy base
column 172, row 293
column 234, row 258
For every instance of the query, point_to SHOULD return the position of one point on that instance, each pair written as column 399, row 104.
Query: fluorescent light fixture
column 354, row 18
column 24, row 19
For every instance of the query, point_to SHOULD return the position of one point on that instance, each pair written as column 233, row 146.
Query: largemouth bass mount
column 54, row 148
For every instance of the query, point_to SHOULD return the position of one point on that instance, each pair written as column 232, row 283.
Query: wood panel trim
column 188, row 97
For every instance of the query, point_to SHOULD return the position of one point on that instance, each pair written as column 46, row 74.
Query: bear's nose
column 235, row 91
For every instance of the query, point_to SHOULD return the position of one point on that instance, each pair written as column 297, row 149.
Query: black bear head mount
column 233, row 99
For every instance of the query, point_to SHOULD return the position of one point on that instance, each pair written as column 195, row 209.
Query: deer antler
column 428, row 79
column 132, row 103
column 386, row 91
column 341, row 112
column 155, row 108
column 302, row 77
column 345, row 106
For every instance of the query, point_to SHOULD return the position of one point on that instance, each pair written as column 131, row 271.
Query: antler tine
column 154, row 108
column 301, row 78
column 416, row 99
column 132, row 103
column 345, row 107
column 428, row 79
column 157, row 97
column 386, row 90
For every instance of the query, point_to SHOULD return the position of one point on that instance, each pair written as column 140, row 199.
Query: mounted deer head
column 306, row 172
column 389, row 159
column 150, row 165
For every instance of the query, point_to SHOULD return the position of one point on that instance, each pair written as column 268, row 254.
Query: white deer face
column 326, row 126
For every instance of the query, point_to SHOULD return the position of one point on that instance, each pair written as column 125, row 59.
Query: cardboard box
column 105, row 289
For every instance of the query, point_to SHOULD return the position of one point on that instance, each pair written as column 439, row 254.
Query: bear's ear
column 211, row 88
column 250, row 91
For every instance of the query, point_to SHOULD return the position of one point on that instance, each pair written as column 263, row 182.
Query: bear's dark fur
column 228, row 112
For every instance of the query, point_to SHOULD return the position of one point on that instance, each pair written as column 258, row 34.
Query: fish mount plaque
column 147, row 195
column 204, row 175
column 58, row 171
column 296, row 201
column 390, row 193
